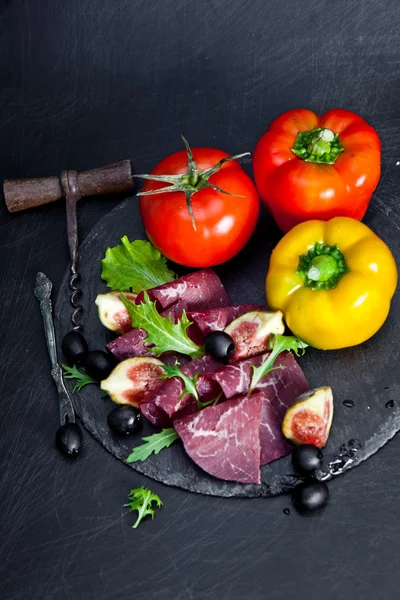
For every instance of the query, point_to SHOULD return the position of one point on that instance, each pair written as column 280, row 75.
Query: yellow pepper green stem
column 322, row 267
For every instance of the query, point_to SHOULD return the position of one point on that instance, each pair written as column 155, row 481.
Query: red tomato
column 224, row 223
column 295, row 189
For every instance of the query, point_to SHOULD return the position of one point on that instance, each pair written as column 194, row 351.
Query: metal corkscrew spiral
column 76, row 291
column 70, row 187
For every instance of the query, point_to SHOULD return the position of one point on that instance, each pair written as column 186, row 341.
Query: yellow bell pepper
column 333, row 281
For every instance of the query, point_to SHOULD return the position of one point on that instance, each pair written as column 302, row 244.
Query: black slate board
column 364, row 374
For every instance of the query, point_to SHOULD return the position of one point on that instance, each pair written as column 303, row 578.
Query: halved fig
column 251, row 332
column 309, row 419
column 112, row 313
column 133, row 380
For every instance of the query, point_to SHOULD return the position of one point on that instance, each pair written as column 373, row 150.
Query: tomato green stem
column 192, row 181
column 318, row 146
column 322, row 267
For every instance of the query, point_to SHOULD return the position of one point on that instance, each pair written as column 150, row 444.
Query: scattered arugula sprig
column 81, row 379
column 135, row 266
column 279, row 344
column 153, row 444
column 141, row 499
column 161, row 331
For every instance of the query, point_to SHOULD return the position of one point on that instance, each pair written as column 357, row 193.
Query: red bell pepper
column 309, row 167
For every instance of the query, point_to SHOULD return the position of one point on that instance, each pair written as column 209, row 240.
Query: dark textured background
column 87, row 82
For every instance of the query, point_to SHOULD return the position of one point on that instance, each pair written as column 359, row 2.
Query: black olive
column 74, row 347
column 307, row 458
column 310, row 496
column 219, row 344
column 124, row 419
column 98, row 365
column 69, row 439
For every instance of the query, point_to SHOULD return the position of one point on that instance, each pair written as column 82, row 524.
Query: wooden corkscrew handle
column 21, row 194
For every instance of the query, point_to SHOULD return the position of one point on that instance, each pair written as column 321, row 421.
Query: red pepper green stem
column 318, row 146
column 322, row 267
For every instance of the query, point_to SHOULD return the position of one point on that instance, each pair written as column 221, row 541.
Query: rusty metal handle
column 21, row 194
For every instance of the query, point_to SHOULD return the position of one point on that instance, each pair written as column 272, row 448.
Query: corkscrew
column 21, row 194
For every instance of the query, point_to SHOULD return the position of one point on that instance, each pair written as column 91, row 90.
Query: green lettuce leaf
column 135, row 266
column 161, row 331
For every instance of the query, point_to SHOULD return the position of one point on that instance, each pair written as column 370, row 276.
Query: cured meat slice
column 167, row 396
column 273, row 444
column 133, row 344
column 130, row 345
column 175, row 311
column 224, row 440
column 234, row 380
column 278, row 389
column 154, row 414
column 196, row 291
column 165, row 404
column 216, row 319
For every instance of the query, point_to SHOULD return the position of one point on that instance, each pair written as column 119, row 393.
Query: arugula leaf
column 135, row 266
column 161, row 331
column 81, row 378
column 189, row 383
column 141, row 500
column 280, row 344
column 153, row 444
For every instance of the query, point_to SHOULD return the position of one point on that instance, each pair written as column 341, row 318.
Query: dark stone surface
column 88, row 82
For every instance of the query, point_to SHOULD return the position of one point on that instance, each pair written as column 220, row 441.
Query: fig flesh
column 133, row 380
column 309, row 419
column 251, row 332
column 112, row 313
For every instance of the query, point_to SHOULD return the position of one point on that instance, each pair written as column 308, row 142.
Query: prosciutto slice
column 196, row 291
column 216, row 319
column 166, row 401
column 130, row 345
column 154, row 414
column 134, row 344
column 234, row 380
column 224, row 440
column 273, row 442
column 278, row 390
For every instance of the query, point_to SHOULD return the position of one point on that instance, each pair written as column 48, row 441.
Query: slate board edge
column 279, row 484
